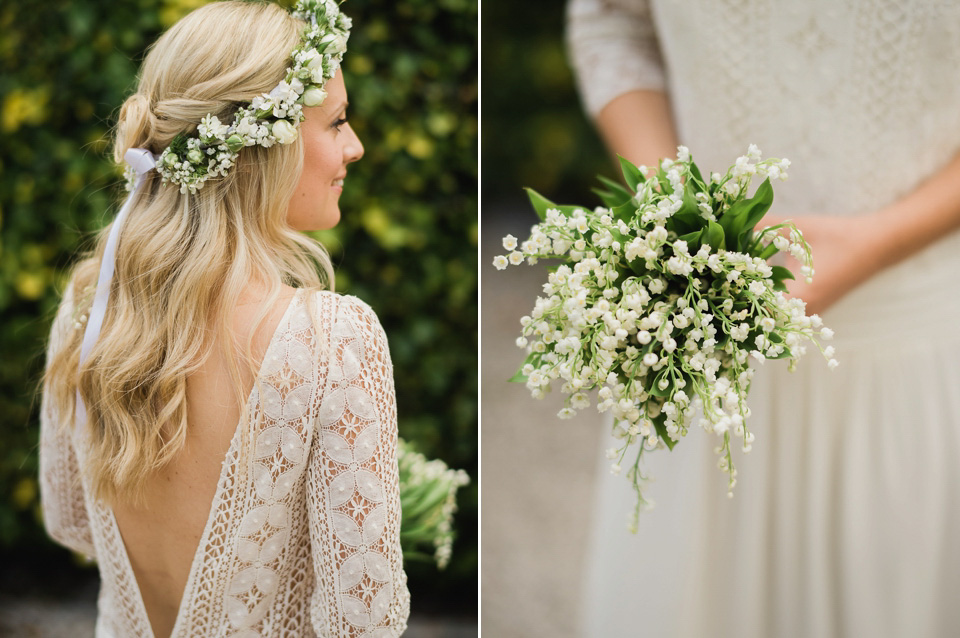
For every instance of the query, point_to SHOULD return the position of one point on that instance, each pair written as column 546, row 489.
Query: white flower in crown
column 287, row 92
column 314, row 97
column 284, row 132
column 332, row 43
column 262, row 103
column 210, row 127
column 247, row 127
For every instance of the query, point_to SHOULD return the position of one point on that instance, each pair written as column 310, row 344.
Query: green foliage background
column 407, row 243
column 535, row 133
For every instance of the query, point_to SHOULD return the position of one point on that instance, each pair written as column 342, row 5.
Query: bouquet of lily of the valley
column 661, row 299
column 428, row 500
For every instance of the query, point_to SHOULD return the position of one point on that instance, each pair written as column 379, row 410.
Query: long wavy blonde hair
column 184, row 260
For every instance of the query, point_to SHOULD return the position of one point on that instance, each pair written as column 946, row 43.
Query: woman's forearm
column 639, row 126
column 927, row 214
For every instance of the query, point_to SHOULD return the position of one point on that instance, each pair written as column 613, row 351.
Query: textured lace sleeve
column 61, row 494
column 354, row 493
column 613, row 49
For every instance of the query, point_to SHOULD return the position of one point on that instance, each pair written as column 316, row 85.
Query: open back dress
column 302, row 539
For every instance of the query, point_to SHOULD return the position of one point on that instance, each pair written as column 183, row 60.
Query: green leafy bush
column 407, row 243
column 535, row 133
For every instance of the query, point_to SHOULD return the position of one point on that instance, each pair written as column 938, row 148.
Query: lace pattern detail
column 355, row 455
column 61, row 494
column 120, row 610
column 303, row 532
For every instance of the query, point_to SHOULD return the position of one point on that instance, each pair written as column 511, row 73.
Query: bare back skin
column 161, row 538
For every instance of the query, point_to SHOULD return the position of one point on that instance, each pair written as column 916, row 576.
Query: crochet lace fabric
column 303, row 538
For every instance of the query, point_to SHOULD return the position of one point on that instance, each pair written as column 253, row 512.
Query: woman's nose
column 353, row 150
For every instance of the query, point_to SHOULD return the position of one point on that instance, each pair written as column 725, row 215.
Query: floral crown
column 271, row 118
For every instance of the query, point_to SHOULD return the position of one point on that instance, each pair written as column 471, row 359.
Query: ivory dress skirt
column 845, row 519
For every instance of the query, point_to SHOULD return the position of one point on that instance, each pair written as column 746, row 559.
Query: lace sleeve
column 61, row 494
column 354, row 493
column 612, row 45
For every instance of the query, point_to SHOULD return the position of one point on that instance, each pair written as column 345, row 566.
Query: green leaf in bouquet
column 615, row 196
column 424, row 533
column 759, row 204
column 660, row 424
column 622, row 277
column 751, row 339
column 625, row 211
column 731, row 221
column 431, row 499
column 606, row 197
column 722, row 339
column 541, row 204
column 774, row 337
column 519, row 376
column 618, row 236
column 739, row 220
column 713, row 235
column 631, row 174
column 654, row 388
column 665, row 186
column 779, row 275
column 783, row 355
column 411, row 494
column 693, row 239
column 684, row 221
column 637, row 266
column 695, row 172
column 688, row 218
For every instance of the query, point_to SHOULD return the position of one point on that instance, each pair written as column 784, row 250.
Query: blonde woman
column 218, row 428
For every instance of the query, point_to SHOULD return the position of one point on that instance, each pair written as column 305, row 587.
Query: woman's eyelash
column 339, row 122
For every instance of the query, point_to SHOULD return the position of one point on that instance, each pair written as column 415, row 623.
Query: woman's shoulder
column 350, row 317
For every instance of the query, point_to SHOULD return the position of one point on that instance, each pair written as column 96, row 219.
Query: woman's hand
column 846, row 252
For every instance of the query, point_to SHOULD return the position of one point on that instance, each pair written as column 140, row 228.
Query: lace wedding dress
column 846, row 514
column 303, row 539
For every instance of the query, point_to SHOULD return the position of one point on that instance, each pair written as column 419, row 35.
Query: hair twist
column 136, row 126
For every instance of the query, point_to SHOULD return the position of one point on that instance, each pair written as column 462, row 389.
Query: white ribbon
column 142, row 161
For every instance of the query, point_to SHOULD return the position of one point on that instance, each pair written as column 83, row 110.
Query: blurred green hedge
column 407, row 243
column 535, row 133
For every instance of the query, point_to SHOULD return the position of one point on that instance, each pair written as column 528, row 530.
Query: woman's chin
column 330, row 220
column 324, row 221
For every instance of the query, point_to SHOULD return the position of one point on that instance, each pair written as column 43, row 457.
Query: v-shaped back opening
column 226, row 470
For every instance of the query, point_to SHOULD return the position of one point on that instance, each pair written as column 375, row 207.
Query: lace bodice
column 862, row 96
column 302, row 539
